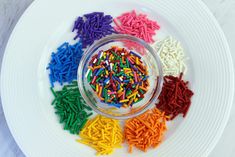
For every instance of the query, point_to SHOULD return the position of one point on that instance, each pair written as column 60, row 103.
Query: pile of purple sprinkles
column 92, row 26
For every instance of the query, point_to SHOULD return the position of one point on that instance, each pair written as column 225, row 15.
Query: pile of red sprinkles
column 175, row 97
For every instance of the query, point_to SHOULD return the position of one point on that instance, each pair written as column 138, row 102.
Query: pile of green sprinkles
column 71, row 108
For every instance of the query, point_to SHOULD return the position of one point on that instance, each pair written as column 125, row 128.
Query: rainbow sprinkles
column 119, row 78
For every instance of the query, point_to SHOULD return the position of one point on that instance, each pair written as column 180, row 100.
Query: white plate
column 46, row 24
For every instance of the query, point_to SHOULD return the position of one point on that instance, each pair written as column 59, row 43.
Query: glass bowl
column 149, row 58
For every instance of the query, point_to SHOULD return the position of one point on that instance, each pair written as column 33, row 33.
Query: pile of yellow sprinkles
column 103, row 134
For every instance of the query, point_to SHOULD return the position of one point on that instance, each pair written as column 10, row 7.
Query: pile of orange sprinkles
column 146, row 130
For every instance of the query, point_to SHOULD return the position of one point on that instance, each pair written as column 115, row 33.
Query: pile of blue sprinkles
column 64, row 63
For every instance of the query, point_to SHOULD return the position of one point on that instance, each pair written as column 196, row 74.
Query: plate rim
column 221, row 33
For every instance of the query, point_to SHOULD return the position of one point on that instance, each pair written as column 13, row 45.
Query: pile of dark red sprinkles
column 175, row 97
column 92, row 26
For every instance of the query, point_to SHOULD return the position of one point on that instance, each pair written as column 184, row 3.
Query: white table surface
column 224, row 12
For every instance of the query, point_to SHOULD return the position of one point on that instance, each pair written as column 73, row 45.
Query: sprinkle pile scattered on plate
column 105, row 134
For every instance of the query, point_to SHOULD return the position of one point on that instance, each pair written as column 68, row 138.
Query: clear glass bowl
column 149, row 58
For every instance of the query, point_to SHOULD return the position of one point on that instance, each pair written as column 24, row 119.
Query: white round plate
column 46, row 24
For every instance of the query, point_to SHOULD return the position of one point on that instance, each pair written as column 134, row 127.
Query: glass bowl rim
column 107, row 39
